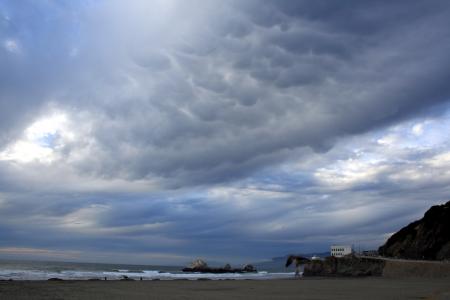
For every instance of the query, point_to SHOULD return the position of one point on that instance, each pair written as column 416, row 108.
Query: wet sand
column 305, row 288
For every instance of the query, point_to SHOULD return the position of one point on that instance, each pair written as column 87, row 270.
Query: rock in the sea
column 201, row 267
column 54, row 279
column 349, row 265
column 248, row 268
column 427, row 238
column 199, row 264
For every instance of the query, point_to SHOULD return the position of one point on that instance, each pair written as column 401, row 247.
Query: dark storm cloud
column 229, row 101
column 203, row 101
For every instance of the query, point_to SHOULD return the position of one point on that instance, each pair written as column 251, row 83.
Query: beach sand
column 305, row 288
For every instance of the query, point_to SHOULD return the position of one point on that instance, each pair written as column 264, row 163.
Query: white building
column 341, row 250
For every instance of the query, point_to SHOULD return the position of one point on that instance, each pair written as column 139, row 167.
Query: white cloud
column 26, row 151
column 417, row 129
column 345, row 174
column 388, row 140
column 12, row 46
column 441, row 160
column 56, row 123
column 41, row 140
column 86, row 217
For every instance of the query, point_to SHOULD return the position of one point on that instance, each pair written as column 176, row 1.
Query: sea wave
column 6, row 274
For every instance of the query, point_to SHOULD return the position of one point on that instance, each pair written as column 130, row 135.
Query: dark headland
column 427, row 238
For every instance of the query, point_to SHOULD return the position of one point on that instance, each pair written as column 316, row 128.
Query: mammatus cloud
column 282, row 125
column 193, row 104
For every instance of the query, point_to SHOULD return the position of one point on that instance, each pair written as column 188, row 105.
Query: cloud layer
column 275, row 126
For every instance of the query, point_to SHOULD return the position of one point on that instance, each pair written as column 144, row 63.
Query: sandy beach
column 316, row 288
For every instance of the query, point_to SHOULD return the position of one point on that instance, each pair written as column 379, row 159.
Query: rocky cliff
column 349, row 265
column 427, row 238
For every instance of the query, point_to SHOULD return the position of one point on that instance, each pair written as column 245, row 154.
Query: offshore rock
column 200, row 266
column 248, row 268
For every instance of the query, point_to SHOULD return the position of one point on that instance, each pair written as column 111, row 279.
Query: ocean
column 43, row 270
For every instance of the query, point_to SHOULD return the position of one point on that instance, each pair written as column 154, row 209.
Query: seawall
column 423, row 269
column 354, row 266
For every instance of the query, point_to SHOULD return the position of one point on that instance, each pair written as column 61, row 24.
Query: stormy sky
column 161, row 131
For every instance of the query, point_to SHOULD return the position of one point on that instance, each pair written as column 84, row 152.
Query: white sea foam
column 145, row 275
column 192, row 276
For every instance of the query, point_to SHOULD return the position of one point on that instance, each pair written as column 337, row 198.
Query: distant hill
column 427, row 238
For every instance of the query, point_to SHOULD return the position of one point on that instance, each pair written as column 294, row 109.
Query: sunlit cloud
column 417, row 129
column 345, row 174
column 41, row 140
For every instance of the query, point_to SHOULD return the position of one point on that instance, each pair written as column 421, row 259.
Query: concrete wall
column 397, row 269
